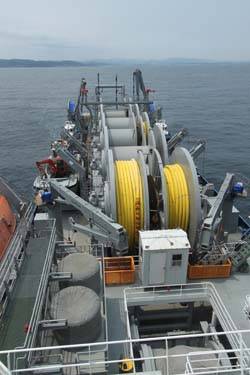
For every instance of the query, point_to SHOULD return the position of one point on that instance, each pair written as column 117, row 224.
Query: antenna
column 116, row 91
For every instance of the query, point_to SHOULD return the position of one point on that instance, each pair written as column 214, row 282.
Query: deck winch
column 130, row 199
column 137, row 180
column 135, row 176
column 149, row 182
column 133, row 208
column 131, row 189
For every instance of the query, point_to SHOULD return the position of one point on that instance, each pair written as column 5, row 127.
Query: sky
column 125, row 29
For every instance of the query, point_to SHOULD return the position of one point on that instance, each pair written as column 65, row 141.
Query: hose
column 145, row 128
column 178, row 197
column 129, row 198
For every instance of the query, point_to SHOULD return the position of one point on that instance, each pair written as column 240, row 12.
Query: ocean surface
column 211, row 100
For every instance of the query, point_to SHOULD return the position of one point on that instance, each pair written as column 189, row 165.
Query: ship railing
column 182, row 293
column 4, row 370
column 198, row 362
column 12, row 259
column 97, row 250
column 217, row 361
column 41, row 293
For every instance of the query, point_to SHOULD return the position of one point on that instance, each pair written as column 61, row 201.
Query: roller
column 120, row 123
column 160, row 143
column 122, row 137
column 142, row 131
column 129, row 152
column 122, row 113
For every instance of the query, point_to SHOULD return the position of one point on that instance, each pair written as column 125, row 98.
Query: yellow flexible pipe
column 129, row 198
column 178, row 197
column 145, row 128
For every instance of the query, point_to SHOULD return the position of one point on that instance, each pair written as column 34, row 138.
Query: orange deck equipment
column 209, row 271
column 119, row 270
column 7, row 225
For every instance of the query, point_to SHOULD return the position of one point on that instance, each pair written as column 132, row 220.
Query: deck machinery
column 143, row 199
column 135, row 177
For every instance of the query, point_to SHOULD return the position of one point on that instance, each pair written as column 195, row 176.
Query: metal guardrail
column 193, row 360
column 239, row 352
column 4, row 370
column 240, row 356
column 11, row 262
column 196, row 359
column 43, row 283
column 41, row 296
column 192, row 291
column 38, row 305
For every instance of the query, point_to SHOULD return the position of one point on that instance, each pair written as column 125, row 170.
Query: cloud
column 36, row 40
column 125, row 29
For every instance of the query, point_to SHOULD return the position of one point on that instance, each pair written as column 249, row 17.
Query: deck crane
column 56, row 167
column 218, row 216
column 222, row 203
column 175, row 139
column 138, row 85
column 198, row 148
column 70, row 160
column 75, row 142
column 101, row 227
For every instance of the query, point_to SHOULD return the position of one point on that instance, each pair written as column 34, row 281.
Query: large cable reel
column 141, row 193
column 178, row 191
column 181, row 156
column 146, row 188
column 126, row 190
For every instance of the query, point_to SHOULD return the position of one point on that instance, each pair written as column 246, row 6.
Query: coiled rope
column 178, row 197
column 129, row 198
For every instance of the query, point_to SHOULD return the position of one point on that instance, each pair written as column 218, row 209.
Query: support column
column 56, row 213
column 214, row 319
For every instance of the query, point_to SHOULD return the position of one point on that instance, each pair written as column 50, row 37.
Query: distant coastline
column 28, row 63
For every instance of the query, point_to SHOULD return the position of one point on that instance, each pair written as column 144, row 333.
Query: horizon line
column 127, row 60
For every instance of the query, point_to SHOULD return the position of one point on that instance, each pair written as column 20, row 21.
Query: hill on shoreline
column 26, row 63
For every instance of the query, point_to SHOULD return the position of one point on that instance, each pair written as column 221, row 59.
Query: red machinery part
column 56, row 170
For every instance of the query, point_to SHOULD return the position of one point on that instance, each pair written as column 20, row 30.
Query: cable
column 129, row 198
column 178, row 197
column 145, row 128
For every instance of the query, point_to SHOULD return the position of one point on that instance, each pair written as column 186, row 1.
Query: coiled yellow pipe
column 129, row 198
column 178, row 197
column 145, row 128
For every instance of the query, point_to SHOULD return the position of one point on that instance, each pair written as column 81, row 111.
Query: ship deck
column 14, row 325
column 232, row 292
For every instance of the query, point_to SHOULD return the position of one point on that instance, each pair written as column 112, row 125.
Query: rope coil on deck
column 129, row 198
column 178, row 197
